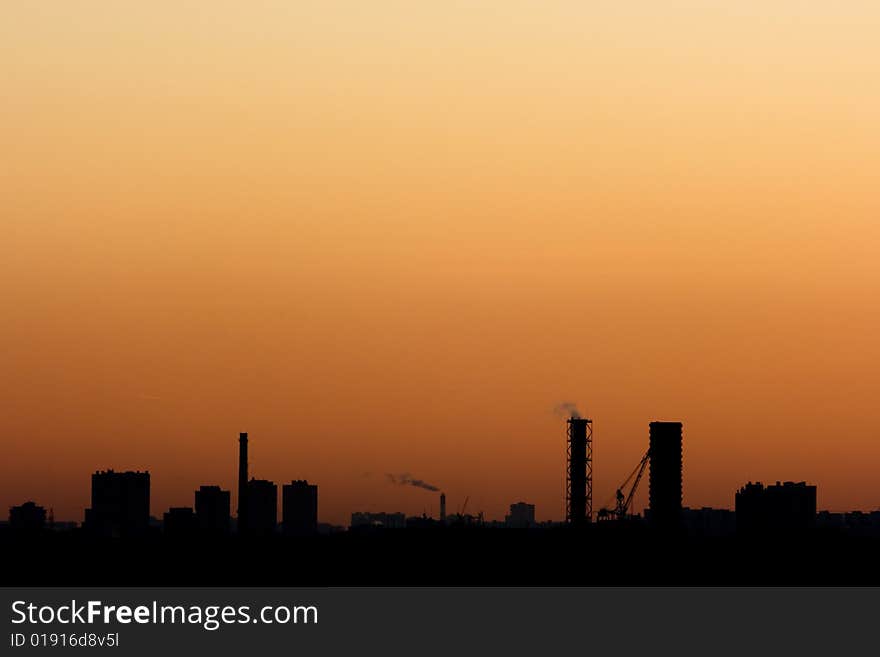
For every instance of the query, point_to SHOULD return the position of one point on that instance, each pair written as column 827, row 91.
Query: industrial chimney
column 579, row 472
column 242, row 481
column 443, row 508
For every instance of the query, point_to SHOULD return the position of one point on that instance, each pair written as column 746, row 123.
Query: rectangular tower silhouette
column 788, row 507
column 299, row 509
column 28, row 517
column 241, row 514
column 212, row 509
column 521, row 516
column 120, row 503
column 261, row 507
column 665, row 475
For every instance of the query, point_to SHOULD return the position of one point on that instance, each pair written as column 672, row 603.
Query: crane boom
column 623, row 509
column 624, row 501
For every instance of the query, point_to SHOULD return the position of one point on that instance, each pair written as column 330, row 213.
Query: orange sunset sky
column 392, row 236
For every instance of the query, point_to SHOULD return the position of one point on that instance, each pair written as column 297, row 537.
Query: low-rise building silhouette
column 784, row 507
column 120, row 503
column 853, row 523
column 261, row 502
column 27, row 517
column 63, row 525
column 212, row 509
column 299, row 510
column 179, row 521
column 422, row 522
column 521, row 516
column 385, row 520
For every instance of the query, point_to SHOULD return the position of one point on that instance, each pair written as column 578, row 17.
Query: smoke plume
column 568, row 409
column 406, row 479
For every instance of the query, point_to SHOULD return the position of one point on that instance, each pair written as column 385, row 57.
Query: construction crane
column 460, row 518
column 623, row 501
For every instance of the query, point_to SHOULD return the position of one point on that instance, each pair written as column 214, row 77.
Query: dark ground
column 443, row 556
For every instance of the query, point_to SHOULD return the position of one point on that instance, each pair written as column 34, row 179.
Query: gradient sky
column 392, row 236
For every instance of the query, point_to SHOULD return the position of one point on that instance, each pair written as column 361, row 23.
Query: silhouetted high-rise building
column 787, row 507
column 28, row 517
column 664, row 482
column 261, row 507
column 120, row 503
column 241, row 515
column 579, row 473
column 299, row 510
column 212, row 509
column 179, row 521
column 522, row 516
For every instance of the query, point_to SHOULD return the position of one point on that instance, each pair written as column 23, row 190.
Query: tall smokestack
column 442, row 507
column 242, row 481
column 579, row 472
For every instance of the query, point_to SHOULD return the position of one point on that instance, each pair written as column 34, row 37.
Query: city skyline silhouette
column 123, row 499
column 391, row 241
column 407, row 500
column 771, row 537
column 397, row 244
